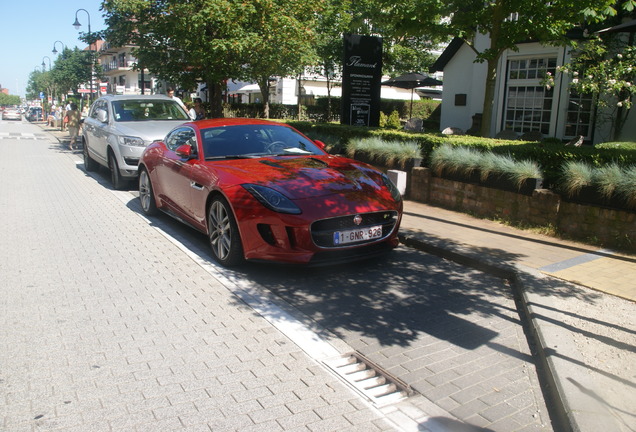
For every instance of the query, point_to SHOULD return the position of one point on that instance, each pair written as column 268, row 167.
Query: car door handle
column 195, row 185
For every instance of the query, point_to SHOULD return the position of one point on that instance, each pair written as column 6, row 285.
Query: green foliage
column 6, row 99
column 610, row 180
column 617, row 145
column 605, row 68
column 575, row 176
column 383, row 151
column 465, row 160
column 537, row 20
column 551, row 155
column 393, row 121
column 383, row 119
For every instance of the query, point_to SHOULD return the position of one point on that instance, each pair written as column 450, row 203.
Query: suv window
column 147, row 110
column 99, row 104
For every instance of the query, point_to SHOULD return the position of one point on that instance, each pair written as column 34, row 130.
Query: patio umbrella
column 412, row 81
column 628, row 27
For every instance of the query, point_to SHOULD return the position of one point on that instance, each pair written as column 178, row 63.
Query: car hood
column 149, row 131
column 306, row 176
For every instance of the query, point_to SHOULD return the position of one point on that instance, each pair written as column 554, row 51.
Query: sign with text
column 361, row 80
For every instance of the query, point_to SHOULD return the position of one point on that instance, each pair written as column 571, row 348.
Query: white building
column 120, row 78
column 286, row 91
column 522, row 101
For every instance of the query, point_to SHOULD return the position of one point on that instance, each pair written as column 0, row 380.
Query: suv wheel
column 115, row 176
column 89, row 163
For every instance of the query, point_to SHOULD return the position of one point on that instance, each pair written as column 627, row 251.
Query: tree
column 332, row 23
column 606, row 68
column 280, row 34
column 40, row 82
column 7, row 99
column 212, row 40
column 507, row 22
column 181, row 42
column 72, row 68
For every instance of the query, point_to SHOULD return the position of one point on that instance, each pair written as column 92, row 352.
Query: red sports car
column 263, row 191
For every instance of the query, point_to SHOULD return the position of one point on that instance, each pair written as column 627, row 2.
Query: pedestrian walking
column 72, row 120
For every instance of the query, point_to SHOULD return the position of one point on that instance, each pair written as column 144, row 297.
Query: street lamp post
column 44, row 64
column 54, row 43
column 77, row 25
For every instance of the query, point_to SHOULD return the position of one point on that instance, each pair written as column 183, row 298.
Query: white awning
column 387, row 92
column 250, row 88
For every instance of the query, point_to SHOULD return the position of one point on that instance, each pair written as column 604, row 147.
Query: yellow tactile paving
column 612, row 275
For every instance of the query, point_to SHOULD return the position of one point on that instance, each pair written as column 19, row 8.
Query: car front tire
column 146, row 194
column 224, row 237
column 115, row 176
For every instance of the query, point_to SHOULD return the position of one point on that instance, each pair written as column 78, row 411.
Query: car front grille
column 322, row 231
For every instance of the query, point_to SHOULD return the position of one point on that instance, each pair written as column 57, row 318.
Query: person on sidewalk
column 72, row 120
column 176, row 98
column 197, row 112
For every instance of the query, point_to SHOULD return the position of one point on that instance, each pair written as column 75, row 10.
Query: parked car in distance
column 119, row 127
column 34, row 114
column 11, row 114
column 261, row 190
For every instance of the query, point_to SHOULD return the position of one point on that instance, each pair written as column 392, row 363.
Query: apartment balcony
column 118, row 65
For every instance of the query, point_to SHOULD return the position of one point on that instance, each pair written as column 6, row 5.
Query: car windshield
column 148, row 110
column 255, row 141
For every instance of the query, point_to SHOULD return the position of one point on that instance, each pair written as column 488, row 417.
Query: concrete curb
column 569, row 413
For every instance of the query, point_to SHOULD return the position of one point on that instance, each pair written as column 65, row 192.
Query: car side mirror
column 185, row 151
column 320, row 144
column 102, row 115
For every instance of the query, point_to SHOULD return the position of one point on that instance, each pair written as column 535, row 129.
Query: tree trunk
column 264, row 86
column 489, row 97
column 215, row 99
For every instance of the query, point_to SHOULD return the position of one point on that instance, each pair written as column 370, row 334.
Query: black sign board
column 362, row 75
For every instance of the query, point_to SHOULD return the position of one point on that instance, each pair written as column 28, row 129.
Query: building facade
column 523, row 102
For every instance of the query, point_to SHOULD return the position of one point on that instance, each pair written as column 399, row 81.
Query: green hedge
column 551, row 155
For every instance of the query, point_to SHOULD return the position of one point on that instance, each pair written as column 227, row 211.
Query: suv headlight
column 272, row 199
column 131, row 141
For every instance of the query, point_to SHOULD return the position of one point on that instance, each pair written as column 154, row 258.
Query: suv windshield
column 147, row 110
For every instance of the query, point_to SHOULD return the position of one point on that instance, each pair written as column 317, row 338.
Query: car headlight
column 395, row 192
column 272, row 199
column 131, row 141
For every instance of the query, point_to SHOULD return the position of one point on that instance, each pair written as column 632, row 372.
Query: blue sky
column 28, row 30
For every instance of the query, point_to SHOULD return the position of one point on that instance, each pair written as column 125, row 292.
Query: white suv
column 119, row 127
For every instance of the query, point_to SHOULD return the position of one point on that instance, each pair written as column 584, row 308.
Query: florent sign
column 361, row 80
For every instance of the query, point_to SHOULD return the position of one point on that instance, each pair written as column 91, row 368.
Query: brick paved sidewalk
column 101, row 328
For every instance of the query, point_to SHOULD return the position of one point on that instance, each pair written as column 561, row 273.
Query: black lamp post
column 54, row 43
column 77, row 25
column 44, row 64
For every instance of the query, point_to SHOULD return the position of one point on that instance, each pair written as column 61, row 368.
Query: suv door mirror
column 102, row 115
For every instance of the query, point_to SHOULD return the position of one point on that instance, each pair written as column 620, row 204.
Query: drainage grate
column 369, row 379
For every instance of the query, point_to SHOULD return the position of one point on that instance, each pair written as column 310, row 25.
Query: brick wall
column 613, row 228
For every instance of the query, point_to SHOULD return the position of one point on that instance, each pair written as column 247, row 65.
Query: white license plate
column 357, row 235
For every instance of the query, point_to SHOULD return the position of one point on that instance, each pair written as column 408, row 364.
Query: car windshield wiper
column 293, row 151
column 236, row 156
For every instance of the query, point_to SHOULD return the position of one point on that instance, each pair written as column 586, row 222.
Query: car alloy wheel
column 223, row 233
column 146, row 194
